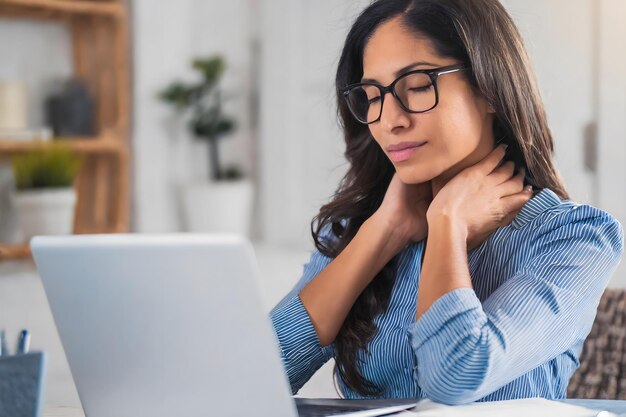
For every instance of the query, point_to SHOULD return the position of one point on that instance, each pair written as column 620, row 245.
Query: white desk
column 60, row 411
column 617, row 407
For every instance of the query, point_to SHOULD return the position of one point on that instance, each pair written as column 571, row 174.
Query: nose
column 393, row 116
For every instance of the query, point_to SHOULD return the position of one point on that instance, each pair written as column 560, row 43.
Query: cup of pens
column 21, row 378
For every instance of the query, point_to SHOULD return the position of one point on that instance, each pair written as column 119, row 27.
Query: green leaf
column 232, row 172
column 211, row 68
column 211, row 125
column 179, row 94
column 49, row 166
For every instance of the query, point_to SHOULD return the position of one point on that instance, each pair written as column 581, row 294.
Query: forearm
column 329, row 297
column 445, row 262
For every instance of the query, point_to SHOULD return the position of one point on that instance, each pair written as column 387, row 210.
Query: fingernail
column 505, row 145
column 529, row 188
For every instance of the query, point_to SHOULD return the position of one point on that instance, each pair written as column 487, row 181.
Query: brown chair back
column 602, row 372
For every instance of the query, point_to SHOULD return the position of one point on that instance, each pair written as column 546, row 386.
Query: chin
column 413, row 175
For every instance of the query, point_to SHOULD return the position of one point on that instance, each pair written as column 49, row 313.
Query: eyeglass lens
column 415, row 91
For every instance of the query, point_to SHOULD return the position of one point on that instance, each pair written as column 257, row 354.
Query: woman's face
column 457, row 133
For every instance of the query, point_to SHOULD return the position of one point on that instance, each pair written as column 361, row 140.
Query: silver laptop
column 164, row 325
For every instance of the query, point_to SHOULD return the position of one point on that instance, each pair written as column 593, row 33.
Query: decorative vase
column 12, row 105
column 218, row 207
column 45, row 211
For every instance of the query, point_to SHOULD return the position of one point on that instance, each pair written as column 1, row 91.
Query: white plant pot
column 45, row 211
column 218, row 207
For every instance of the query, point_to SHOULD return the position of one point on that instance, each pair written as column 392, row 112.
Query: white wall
column 612, row 116
column 167, row 36
column 560, row 38
column 301, row 143
column 578, row 51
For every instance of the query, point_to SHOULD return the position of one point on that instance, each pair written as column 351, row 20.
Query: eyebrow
column 402, row 70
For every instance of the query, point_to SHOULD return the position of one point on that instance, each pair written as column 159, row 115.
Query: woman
column 446, row 267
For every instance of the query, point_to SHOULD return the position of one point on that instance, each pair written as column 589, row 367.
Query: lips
column 403, row 145
column 402, row 151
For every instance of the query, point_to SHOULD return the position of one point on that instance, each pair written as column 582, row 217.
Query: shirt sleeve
column 301, row 351
column 465, row 350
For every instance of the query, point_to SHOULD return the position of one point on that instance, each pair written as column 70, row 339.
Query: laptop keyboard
column 331, row 407
column 319, row 410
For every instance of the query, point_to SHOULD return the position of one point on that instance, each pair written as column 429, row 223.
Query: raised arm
column 330, row 296
column 465, row 350
column 308, row 319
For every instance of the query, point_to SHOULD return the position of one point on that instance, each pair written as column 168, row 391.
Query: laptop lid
column 162, row 325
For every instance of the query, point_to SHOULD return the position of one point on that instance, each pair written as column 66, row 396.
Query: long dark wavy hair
column 479, row 33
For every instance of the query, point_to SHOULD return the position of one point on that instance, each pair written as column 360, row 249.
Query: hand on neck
column 479, row 153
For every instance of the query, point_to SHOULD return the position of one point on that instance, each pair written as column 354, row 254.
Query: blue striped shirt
column 518, row 333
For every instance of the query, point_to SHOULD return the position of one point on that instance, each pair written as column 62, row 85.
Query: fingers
column 491, row 161
column 503, row 173
column 515, row 202
column 513, row 185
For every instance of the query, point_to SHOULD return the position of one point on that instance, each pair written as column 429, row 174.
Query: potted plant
column 224, row 203
column 44, row 196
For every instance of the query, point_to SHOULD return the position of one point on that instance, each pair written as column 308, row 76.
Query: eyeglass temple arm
column 449, row 71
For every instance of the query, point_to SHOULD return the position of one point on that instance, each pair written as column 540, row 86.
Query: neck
column 479, row 154
column 439, row 182
column 442, row 179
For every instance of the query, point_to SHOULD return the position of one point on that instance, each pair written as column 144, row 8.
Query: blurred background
column 197, row 115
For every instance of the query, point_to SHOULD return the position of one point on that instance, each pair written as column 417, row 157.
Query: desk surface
column 617, row 407
column 59, row 411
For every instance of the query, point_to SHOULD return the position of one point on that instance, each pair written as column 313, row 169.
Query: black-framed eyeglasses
column 416, row 92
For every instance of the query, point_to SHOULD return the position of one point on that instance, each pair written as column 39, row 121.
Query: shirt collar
column 542, row 201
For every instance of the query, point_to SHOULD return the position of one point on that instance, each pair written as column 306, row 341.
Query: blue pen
column 23, row 342
column 3, row 344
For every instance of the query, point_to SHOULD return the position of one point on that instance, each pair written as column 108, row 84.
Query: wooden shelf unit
column 14, row 252
column 38, row 8
column 101, row 59
column 78, row 145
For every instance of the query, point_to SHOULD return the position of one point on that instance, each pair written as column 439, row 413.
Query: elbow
column 294, row 388
column 452, row 390
column 296, row 381
column 459, row 377
column 449, row 397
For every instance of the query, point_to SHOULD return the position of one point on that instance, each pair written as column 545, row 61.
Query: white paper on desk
column 535, row 407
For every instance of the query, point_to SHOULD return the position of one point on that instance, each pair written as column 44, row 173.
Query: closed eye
column 421, row 89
